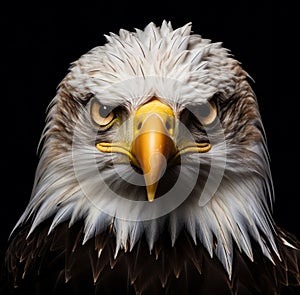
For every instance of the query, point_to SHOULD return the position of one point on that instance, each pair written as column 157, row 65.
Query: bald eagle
column 153, row 178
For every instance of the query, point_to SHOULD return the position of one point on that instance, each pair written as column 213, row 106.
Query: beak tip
column 151, row 197
column 151, row 190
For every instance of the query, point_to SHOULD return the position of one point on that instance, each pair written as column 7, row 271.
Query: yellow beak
column 153, row 144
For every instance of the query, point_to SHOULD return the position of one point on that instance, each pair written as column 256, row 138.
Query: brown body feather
column 58, row 263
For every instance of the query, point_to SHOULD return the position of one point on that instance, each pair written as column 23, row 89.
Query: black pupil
column 204, row 111
column 104, row 111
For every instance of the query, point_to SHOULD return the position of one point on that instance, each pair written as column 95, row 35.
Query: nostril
column 168, row 125
column 139, row 126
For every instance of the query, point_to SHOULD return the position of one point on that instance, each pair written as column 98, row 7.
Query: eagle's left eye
column 102, row 115
column 206, row 113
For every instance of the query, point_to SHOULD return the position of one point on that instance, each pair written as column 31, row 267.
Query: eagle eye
column 102, row 115
column 206, row 113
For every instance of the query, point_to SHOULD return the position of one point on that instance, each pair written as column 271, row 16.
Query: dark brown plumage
column 64, row 266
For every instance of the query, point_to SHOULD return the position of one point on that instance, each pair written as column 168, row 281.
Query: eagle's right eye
column 101, row 115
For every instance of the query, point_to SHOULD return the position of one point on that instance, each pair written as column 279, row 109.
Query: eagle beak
column 153, row 145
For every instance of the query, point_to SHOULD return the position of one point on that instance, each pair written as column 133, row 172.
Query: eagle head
column 158, row 131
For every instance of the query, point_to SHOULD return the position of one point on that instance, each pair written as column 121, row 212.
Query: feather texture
column 64, row 264
column 211, row 227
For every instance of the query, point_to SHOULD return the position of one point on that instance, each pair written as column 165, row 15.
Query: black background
column 39, row 43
